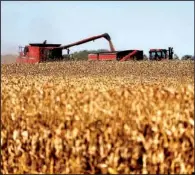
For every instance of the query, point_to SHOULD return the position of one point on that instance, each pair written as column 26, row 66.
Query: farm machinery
column 44, row 52
column 161, row 54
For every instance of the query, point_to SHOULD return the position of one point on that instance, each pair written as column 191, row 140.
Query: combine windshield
column 156, row 54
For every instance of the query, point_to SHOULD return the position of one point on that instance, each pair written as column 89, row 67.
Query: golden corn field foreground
column 98, row 117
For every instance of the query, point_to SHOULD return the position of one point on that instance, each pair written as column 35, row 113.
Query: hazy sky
column 131, row 25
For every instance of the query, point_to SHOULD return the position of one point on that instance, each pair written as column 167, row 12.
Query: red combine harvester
column 161, row 54
column 43, row 52
column 38, row 52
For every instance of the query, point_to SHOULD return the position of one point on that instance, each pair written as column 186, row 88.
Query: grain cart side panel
column 124, row 55
column 130, row 55
column 107, row 56
column 92, row 56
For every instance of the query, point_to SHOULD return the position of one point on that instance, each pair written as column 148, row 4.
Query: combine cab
column 161, row 54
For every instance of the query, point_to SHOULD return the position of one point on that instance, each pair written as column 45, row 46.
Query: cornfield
column 98, row 117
